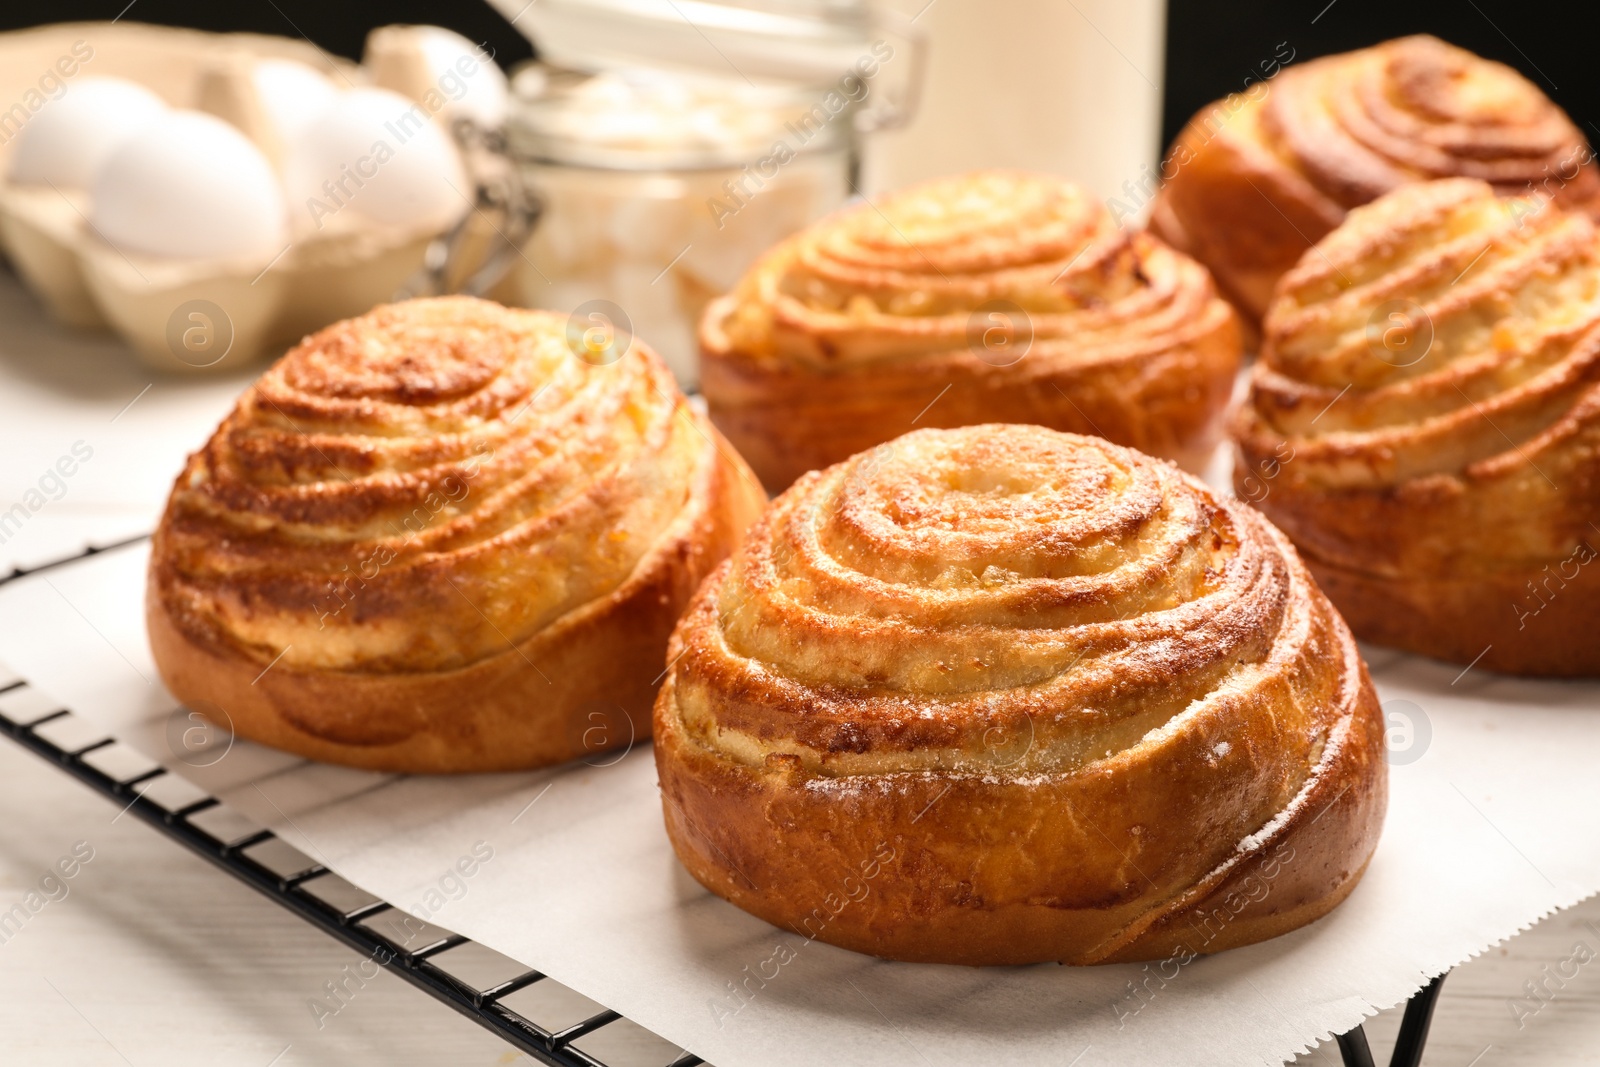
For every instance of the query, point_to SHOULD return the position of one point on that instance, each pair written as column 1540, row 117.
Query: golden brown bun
column 1255, row 179
column 434, row 539
column 992, row 297
column 1425, row 424
column 1002, row 695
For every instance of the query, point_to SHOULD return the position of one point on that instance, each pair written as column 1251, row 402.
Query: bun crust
column 1000, row 695
column 1255, row 179
column 434, row 539
column 991, row 297
column 1425, row 424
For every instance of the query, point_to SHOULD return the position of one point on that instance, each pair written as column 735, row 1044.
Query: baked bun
column 1002, row 695
column 992, row 297
column 1425, row 424
column 1255, row 179
column 435, row 539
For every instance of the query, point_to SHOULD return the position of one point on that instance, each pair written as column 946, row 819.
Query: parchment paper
column 1494, row 821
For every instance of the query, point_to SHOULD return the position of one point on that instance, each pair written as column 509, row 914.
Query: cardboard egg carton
column 188, row 315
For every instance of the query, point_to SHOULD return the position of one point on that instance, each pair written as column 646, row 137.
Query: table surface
column 155, row 957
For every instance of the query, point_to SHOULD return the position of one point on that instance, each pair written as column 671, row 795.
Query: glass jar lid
column 647, row 119
column 639, row 84
column 799, row 42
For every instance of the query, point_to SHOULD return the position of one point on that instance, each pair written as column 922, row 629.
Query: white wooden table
column 153, row 957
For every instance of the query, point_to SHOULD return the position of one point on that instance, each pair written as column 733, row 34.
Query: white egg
column 472, row 85
column 190, row 186
column 293, row 95
column 70, row 137
column 379, row 155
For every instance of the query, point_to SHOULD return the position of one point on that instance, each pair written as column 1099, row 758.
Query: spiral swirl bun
column 1255, row 179
column 996, row 296
column 434, row 538
column 1002, row 695
column 1425, row 424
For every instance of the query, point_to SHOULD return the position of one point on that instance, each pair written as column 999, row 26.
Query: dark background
column 339, row 26
column 1212, row 45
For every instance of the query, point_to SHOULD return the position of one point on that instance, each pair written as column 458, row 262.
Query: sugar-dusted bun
column 1255, row 179
column 434, row 539
column 992, row 297
column 1425, row 424
column 999, row 695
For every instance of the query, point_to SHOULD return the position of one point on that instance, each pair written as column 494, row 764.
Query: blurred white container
column 1070, row 88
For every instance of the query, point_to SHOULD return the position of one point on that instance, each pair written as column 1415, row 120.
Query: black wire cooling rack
column 312, row 892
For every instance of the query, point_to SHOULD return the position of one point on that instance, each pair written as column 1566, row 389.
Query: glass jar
column 659, row 193
column 663, row 179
